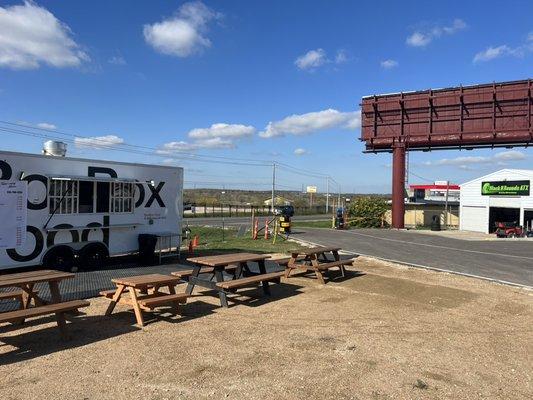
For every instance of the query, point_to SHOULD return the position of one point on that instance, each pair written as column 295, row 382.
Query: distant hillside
column 243, row 197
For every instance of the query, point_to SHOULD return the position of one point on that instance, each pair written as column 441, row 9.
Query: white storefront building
column 503, row 196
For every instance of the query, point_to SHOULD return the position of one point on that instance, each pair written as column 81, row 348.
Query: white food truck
column 82, row 210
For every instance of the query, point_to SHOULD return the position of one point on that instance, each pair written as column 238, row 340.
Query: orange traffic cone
column 195, row 241
column 266, row 228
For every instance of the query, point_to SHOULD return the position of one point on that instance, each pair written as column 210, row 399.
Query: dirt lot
column 386, row 332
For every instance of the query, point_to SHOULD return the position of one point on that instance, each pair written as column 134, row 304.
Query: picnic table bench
column 309, row 259
column 144, row 300
column 238, row 264
column 26, row 294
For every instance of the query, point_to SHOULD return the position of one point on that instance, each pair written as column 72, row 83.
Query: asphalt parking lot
column 505, row 260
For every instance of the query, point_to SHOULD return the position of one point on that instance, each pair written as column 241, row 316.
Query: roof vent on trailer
column 54, row 148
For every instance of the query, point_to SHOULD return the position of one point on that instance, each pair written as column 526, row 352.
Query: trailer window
column 122, row 195
column 63, row 196
column 102, row 197
column 86, row 197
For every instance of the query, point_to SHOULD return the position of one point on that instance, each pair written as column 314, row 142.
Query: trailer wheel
column 92, row 256
column 60, row 257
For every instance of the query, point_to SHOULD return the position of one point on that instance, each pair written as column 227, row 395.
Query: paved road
column 506, row 260
column 217, row 221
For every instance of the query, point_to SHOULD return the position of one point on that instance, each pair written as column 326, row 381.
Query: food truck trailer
column 58, row 212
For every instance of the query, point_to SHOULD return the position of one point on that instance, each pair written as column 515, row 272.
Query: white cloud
column 311, row 60
column 490, row 53
column 511, row 155
column 418, row 39
column 388, row 64
column 183, row 34
column 341, row 56
column 98, row 142
column 422, row 38
column 300, row 152
column 314, row 59
column 217, row 136
column 464, row 162
column 46, row 125
column 305, row 124
column 117, row 60
column 183, row 146
column 222, row 130
column 30, row 35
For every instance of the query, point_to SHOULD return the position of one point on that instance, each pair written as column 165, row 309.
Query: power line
column 101, row 143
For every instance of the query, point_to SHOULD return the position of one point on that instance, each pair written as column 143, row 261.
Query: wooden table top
column 226, row 259
column 141, row 281
column 32, row 277
column 316, row 250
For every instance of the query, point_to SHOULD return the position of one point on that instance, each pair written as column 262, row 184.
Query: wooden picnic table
column 315, row 259
column 140, row 298
column 26, row 282
column 220, row 263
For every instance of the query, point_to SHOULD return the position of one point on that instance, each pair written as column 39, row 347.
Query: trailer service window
column 82, row 197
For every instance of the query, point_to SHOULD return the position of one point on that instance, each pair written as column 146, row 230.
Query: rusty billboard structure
column 464, row 117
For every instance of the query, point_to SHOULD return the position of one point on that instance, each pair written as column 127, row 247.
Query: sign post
column 311, row 190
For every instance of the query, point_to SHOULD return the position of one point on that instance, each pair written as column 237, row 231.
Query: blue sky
column 255, row 80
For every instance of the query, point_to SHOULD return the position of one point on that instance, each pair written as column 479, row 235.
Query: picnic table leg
column 221, row 293
column 172, row 290
column 239, row 270
column 29, row 294
column 60, row 317
column 291, row 265
column 195, row 272
column 114, row 301
column 262, row 270
column 136, row 308
column 337, row 258
column 318, row 273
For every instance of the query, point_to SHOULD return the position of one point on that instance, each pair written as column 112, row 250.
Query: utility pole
column 273, row 185
column 327, row 194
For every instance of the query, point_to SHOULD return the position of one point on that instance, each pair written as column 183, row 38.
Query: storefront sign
column 505, row 188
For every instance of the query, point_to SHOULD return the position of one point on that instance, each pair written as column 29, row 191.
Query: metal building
column 503, row 196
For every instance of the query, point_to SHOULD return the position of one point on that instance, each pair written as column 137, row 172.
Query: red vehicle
column 509, row 230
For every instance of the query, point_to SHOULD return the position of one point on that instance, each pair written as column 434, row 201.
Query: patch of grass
column 213, row 241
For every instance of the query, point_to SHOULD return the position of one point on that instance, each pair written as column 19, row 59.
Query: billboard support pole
column 398, row 185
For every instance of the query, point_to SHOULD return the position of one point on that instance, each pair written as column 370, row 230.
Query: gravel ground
column 385, row 332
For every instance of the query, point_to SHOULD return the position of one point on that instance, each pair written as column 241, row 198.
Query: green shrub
column 368, row 212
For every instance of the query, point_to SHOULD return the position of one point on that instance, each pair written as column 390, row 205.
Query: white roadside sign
column 13, row 212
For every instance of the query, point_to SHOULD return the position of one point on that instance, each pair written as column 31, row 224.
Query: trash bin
column 435, row 223
column 147, row 244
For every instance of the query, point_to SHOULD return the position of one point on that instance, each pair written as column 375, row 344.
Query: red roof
column 434, row 187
